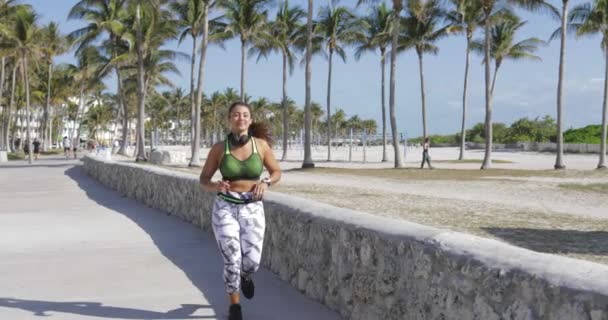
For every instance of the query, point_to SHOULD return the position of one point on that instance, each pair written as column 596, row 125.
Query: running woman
column 238, row 213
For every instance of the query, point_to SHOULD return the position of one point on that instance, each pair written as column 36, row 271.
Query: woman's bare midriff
column 242, row 185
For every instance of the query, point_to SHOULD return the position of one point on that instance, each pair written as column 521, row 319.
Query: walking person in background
column 425, row 154
column 36, row 144
column 238, row 212
column 66, row 147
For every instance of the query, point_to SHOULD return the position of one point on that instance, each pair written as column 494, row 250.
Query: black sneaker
column 247, row 287
column 234, row 313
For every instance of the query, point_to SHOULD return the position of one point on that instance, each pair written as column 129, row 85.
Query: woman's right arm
column 211, row 165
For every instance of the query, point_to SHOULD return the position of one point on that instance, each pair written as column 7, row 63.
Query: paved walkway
column 73, row 249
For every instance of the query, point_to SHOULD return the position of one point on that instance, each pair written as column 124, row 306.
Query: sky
column 523, row 88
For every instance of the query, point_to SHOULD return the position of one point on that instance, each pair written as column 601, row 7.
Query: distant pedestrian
column 66, row 146
column 36, row 144
column 425, row 154
column 26, row 147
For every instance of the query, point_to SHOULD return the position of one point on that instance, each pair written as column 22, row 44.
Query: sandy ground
column 529, row 208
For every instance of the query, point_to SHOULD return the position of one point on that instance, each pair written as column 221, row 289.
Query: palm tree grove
column 118, row 90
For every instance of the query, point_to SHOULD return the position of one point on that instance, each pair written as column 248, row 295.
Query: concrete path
column 73, row 249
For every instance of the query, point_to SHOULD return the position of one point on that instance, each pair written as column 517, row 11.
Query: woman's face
column 240, row 118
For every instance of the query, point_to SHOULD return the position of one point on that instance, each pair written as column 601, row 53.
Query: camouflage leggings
column 239, row 232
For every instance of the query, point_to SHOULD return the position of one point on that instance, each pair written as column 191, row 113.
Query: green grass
column 451, row 174
column 471, row 161
column 16, row 156
column 592, row 187
column 52, row 152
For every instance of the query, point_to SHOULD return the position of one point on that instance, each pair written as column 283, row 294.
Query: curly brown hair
column 260, row 130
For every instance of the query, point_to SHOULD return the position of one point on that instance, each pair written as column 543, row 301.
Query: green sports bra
column 234, row 169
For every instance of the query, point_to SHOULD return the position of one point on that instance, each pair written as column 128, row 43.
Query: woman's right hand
column 223, row 186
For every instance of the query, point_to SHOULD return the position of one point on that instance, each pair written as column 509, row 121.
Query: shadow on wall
column 96, row 309
column 555, row 241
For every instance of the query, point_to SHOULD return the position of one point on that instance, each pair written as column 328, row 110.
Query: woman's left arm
column 271, row 164
column 273, row 167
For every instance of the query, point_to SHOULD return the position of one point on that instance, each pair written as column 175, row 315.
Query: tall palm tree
column 420, row 31
column 7, row 10
column 54, row 45
column 559, row 157
column 503, row 45
column 13, row 65
column 396, row 21
column 106, row 17
column 24, row 39
column 190, row 15
column 489, row 8
column 377, row 37
column 151, row 16
column 308, row 163
column 247, row 20
column 337, row 26
column 284, row 32
column 86, row 74
column 590, row 19
column 465, row 17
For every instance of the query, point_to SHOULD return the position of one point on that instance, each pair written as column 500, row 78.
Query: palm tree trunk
column 307, row 107
column 464, row 99
column 284, row 107
column 487, row 160
column 329, row 133
column 559, row 157
column 27, row 106
column 382, row 95
column 393, row 117
column 141, row 151
column 243, row 60
column 77, row 117
column 192, row 95
column 4, row 131
column 125, row 114
column 494, row 78
column 602, row 162
column 45, row 117
column 195, row 159
column 422, row 96
column 11, row 145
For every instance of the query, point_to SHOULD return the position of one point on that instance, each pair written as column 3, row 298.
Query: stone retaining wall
column 368, row 267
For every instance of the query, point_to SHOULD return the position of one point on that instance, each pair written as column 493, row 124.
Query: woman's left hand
column 259, row 189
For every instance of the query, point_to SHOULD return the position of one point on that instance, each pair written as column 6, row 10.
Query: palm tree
column 284, row 32
column 14, row 65
column 590, row 19
column 108, row 16
column 377, row 36
column 503, row 46
column 396, row 21
column 420, row 32
column 54, row 44
column 195, row 15
column 7, row 10
column 85, row 73
column 247, row 20
column 466, row 17
column 337, row 26
column 150, row 16
column 23, row 39
column 559, row 157
column 307, row 163
column 489, row 8
column 190, row 15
